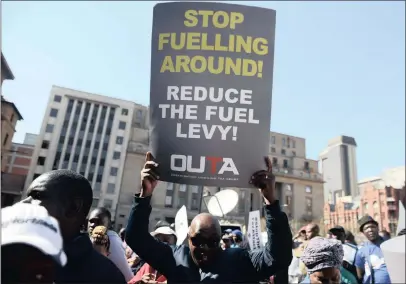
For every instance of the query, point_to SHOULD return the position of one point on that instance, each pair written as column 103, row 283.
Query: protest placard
column 211, row 89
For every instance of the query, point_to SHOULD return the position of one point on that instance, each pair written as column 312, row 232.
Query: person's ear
column 74, row 208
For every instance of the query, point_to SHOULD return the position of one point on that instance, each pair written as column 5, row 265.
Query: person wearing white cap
column 31, row 245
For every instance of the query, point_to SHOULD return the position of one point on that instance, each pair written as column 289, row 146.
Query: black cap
column 366, row 220
column 337, row 229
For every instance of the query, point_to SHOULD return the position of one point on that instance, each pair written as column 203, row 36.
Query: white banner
column 394, row 252
column 181, row 225
column 254, row 230
column 401, row 219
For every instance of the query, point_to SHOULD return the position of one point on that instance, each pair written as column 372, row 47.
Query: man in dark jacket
column 204, row 260
column 68, row 197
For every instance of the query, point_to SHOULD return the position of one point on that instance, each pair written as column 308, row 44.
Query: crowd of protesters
column 44, row 241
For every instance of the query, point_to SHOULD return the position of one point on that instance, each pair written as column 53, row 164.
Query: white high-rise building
column 89, row 134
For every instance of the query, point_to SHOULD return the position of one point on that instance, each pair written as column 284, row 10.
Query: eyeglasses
column 203, row 243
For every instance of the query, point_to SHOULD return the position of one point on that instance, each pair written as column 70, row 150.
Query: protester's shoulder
column 113, row 235
column 106, row 269
column 181, row 249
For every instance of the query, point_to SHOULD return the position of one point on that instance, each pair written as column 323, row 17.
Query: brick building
column 344, row 213
column 16, row 170
column 380, row 203
column 9, row 115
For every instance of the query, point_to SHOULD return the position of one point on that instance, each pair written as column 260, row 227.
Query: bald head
column 205, row 223
column 312, row 230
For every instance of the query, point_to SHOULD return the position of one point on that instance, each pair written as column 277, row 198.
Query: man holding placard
column 211, row 91
column 203, row 259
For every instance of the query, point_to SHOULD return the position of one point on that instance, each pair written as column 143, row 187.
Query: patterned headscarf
column 322, row 253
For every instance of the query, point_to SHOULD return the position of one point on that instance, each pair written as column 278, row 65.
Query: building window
column 274, row 161
column 273, row 150
column 283, row 142
column 241, row 202
column 57, row 98
column 124, row 112
column 283, row 152
column 5, row 139
column 53, row 112
column 95, row 202
column 308, row 189
column 288, row 187
column 309, row 206
column 113, row 171
column 273, row 139
column 111, row 188
column 41, row 161
column 119, row 140
column 116, row 155
column 97, row 187
column 366, row 206
column 121, row 125
column 138, row 114
column 168, row 201
column 293, row 143
column 306, row 166
column 293, row 153
column 169, row 186
column 49, row 128
column 45, row 144
column 285, row 164
column 108, row 203
column 182, row 187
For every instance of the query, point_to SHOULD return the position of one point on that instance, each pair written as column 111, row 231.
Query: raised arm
column 152, row 251
column 276, row 255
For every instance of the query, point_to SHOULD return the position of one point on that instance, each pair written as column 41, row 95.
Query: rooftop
column 4, row 101
column 342, row 140
column 8, row 74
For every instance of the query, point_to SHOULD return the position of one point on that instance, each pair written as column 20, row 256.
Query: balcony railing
column 392, row 207
column 289, row 172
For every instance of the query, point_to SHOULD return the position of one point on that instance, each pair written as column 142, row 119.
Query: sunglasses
column 203, row 243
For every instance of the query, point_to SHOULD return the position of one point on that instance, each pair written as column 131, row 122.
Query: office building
column 339, row 168
column 16, row 170
column 89, row 134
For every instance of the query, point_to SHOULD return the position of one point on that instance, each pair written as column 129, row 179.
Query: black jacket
column 232, row 265
column 86, row 265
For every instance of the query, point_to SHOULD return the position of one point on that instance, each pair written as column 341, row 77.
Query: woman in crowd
column 323, row 259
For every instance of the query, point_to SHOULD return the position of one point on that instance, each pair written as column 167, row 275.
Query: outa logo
column 182, row 163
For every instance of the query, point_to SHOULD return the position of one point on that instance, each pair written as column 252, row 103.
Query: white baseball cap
column 30, row 224
column 164, row 231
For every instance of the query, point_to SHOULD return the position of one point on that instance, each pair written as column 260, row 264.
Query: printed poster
column 254, row 230
column 211, row 91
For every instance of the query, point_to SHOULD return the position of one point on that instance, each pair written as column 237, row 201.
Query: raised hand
column 264, row 180
column 149, row 176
